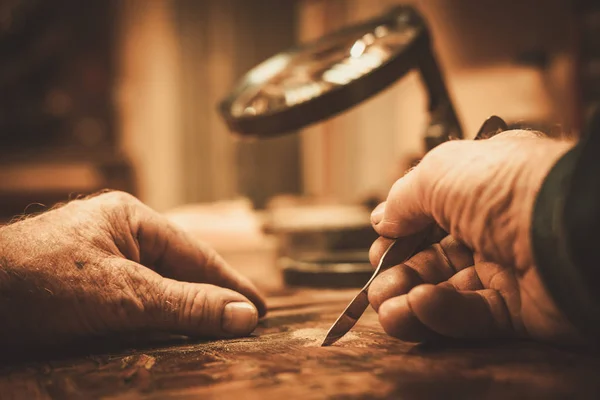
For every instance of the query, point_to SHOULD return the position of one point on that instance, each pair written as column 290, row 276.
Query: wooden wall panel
column 178, row 59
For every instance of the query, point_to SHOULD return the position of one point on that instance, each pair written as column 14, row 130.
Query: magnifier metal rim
column 340, row 98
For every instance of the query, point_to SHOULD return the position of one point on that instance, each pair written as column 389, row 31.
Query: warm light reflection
column 358, row 49
column 268, row 69
column 303, row 93
column 353, row 68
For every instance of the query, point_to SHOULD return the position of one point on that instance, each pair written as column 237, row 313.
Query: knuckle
column 376, row 294
column 117, row 207
column 207, row 308
column 118, row 199
column 183, row 303
column 199, row 309
column 438, row 161
column 517, row 133
column 443, row 152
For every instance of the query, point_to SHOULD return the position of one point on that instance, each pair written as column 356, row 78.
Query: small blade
column 356, row 308
column 348, row 318
column 358, row 305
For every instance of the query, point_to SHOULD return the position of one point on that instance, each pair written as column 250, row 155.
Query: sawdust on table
column 315, row 336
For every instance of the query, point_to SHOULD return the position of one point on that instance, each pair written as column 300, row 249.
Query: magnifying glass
column 318, row 80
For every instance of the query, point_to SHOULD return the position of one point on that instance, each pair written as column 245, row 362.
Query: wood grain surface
column 284, row 360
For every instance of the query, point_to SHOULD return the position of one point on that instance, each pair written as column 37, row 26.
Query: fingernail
column 239, row 319
column 377, row 214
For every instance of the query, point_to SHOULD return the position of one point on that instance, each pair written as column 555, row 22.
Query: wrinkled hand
column 109, row 264
column 481, row 281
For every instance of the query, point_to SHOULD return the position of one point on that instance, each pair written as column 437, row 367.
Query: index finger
column 400, row 252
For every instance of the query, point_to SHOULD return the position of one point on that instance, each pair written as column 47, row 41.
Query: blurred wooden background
column 170, row 62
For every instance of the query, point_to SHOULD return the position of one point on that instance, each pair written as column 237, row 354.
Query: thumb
column 402, row 214
column 195, row 309
column 453, row 185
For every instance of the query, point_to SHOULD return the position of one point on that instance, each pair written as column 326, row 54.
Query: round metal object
column 315, row 81
column 340, row 269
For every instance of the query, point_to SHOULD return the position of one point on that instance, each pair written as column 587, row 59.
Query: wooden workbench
column 283, row 360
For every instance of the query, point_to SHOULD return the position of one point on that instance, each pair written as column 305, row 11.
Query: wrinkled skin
column 110, row 265
column 481, row 281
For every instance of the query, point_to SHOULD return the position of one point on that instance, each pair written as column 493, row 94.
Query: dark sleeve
column 566, row 233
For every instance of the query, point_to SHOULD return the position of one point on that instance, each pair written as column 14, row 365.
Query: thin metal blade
column 359, row 304
column 355, row 309
column 348, row 318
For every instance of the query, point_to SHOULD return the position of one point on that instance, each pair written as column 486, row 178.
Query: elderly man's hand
column 481, row 281
column 109, row 264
